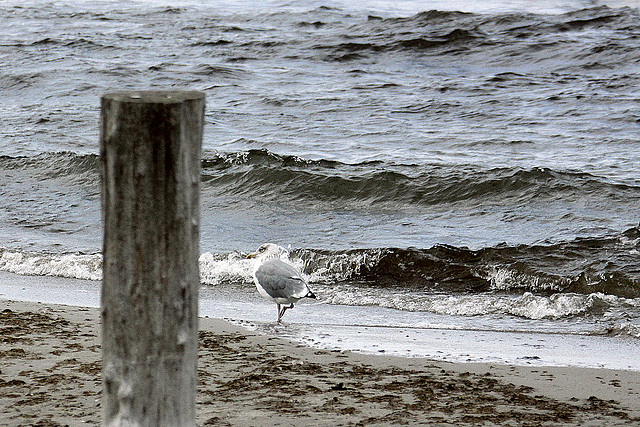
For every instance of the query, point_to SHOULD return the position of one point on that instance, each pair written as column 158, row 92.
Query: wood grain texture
column 150, row 158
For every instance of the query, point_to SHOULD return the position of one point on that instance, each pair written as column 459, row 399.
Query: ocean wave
column 482, row 37
column 74, row 266
column 263, row 176
column 78, row 168
column 215, row 269
column 493, row 36
column 225, row 269
column 623, row 329
column 442, row 280
column 526, row 306
column 585, row 266
column 606, row 264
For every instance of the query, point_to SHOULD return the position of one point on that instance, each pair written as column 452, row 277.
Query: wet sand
column 50, row 376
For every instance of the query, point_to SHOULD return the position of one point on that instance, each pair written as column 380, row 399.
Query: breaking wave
column 585, row 266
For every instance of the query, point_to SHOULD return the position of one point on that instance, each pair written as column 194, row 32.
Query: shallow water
column 369, row 330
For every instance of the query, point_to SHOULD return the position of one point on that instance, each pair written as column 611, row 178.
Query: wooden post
column 150, row 158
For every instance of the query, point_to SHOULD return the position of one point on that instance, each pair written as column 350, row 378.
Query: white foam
column 86, row 267
column 527, row 305
column 235, row 269
column 215, row 270
column 341, row 266
column 626, row 328
column 558, row 305
column 502, row 279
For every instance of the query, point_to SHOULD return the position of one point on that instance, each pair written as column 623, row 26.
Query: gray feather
column 280, row 280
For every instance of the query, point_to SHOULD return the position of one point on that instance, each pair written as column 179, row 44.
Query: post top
column 154, row 96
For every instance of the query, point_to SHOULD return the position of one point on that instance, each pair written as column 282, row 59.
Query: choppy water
column 470, row 159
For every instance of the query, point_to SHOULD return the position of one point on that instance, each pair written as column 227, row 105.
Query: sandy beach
column 50, row 376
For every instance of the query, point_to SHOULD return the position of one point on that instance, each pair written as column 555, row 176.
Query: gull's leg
column 282, row 312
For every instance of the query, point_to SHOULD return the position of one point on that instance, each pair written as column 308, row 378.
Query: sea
column 458, row 180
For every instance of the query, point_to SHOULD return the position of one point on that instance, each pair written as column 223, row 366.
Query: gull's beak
column 252, row 255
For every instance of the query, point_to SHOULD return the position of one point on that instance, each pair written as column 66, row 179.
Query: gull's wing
column 280, row 280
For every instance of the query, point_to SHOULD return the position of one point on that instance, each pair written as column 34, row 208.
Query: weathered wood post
column 150, row 158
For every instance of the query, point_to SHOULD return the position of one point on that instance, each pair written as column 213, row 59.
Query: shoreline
column 370, row 329
column 50, row 375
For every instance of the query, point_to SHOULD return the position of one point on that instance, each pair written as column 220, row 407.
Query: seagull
column 276, row 280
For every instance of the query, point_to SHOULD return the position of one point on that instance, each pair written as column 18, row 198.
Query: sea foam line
column 213, row 270
column 74, row 266
column 234, row 269
column 527, row 305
